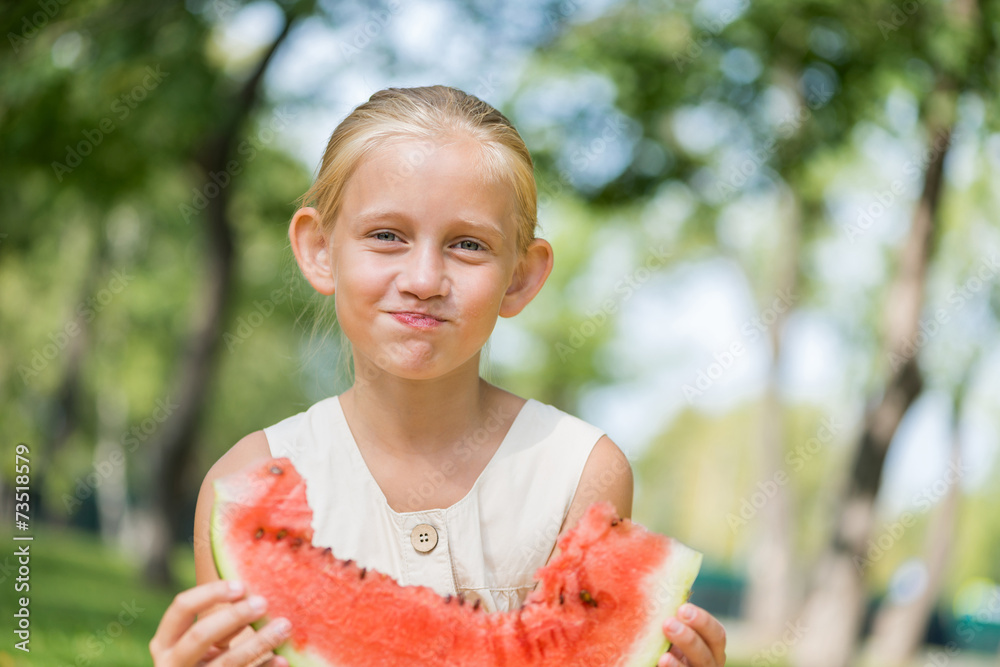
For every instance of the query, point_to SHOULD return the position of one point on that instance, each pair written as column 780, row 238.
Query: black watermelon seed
column 475, row 606
column 447, row 598
column 281, row 533
column 297, row 542
column 363, row 570
column 614, row 522
column 585, row 596
column 561, row 598
column 259, row 534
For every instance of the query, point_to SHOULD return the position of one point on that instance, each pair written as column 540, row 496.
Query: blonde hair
column 431, row 113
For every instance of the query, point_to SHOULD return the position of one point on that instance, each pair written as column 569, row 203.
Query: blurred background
column 776, row 288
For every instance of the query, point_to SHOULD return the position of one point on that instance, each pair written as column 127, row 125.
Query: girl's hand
column 180, row 641
column 698, row 641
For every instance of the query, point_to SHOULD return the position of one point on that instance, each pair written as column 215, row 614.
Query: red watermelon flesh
column 600, row 602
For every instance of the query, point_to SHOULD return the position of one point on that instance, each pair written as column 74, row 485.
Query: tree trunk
column 770, row 577
column 109, row 462
column 64, row 417
column 172, row 446
column 899, row 629
column 834, row 610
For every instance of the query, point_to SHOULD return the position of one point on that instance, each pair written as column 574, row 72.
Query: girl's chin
column 422, row 368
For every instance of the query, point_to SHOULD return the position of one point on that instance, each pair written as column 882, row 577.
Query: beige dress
column 487, row 545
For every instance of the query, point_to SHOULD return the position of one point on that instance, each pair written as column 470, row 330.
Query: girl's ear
column 312, row 249
column 529, row 276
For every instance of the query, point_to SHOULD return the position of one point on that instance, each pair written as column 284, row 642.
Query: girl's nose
column 423, row 272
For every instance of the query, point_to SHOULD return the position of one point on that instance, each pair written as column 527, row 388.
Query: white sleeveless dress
column 486, row 546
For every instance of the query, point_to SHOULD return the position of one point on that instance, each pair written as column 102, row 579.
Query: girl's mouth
column 417, row 320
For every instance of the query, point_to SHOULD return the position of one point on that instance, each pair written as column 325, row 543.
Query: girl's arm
column 223, row 618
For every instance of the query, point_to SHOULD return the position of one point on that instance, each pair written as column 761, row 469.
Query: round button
column 424, row 537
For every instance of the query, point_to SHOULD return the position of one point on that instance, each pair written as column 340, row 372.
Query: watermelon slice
column 601, row 601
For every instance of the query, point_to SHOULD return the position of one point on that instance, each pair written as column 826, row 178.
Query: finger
column 276, row 661
column 678, row 655
column 186, row 605
column 255, row 661
column 226, row 641
column 671, row 659
column 212, row 653
column 264, row 641
column 689, row 640
column 709, row 627
column 210, row 629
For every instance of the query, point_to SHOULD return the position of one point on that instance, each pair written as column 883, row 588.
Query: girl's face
column 423, row 252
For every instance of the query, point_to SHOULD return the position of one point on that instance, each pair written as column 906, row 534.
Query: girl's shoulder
column 241, row 455
column 247, row 450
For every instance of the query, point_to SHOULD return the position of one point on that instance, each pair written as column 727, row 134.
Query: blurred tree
column 830, row 69
column 193, row 130
column 837, row 600
column 901, row 622
column 172, row 447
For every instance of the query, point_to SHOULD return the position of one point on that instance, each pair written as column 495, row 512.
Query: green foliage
column 89, row 605
column 107, row 112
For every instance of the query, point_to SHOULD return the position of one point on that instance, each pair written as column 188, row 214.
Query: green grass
column 88, row 603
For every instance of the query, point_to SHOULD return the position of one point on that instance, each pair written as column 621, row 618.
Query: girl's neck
column 418, row 417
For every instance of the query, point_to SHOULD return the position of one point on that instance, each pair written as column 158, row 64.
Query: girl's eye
column 462, row 245
column 385, row 236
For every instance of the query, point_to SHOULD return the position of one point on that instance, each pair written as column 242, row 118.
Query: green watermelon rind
column 671, row 587
column 227, row 571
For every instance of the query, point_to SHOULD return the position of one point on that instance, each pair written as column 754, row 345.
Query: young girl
column 422, row 229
